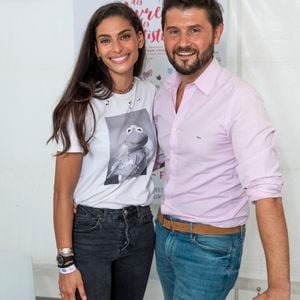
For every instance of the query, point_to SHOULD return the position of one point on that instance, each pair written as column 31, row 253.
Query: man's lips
column 184, row 54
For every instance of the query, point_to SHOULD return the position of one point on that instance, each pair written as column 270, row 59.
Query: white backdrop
column 37, row 54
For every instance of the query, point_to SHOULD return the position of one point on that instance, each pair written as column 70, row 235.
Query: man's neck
column 187, row 79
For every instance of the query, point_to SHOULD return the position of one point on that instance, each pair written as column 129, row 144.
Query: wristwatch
column 64, row 261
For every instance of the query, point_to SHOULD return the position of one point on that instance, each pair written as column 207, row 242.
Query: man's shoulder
column 234, row 84
column 163, row 96
column 238, row 94
column 168, row 84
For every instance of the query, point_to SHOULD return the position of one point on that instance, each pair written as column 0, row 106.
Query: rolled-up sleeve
column 253, row 140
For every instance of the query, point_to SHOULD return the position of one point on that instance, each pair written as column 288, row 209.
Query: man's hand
column 69, row 283
column 274, row 294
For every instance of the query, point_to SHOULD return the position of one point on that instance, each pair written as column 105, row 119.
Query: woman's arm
column 67, row 173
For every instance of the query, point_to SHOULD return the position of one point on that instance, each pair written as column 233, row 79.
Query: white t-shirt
column 117, row 170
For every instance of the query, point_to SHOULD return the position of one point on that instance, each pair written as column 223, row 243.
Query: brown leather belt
column 196, row 228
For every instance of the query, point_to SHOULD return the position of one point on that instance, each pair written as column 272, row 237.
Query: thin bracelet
column 65, row 251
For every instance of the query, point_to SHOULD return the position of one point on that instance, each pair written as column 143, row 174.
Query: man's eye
column 173, row 32
column 196, row 30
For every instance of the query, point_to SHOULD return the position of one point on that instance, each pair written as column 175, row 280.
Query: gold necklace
column 124, row 91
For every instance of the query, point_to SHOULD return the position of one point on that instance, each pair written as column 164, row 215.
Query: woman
column 106, row 151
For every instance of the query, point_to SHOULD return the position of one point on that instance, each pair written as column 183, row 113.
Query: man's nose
column 184, row 40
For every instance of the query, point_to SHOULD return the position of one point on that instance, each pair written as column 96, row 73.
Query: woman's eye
column 104, row 41
column 125, row 37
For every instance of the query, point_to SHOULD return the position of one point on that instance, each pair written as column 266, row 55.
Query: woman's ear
column 96, row 51
column 141, row 40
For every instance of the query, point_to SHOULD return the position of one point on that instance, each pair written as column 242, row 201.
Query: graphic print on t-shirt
column 131, row 145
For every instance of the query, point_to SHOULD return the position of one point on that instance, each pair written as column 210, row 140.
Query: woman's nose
column 117, row 46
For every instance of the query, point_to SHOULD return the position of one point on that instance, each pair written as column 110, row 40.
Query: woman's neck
column 122, row 84
column 126, row 88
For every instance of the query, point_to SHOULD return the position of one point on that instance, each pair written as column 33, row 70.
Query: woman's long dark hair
column 90, row 78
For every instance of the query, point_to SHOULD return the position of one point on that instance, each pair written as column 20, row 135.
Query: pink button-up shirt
column 218, row 149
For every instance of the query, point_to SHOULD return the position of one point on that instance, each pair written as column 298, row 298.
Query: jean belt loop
column 124, row 213
column 138, row 211
column 191, row 229
column 100, row 215
column 171, row 221
column 242, row 231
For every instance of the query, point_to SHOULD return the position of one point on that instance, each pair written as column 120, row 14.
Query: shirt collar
column 204, row 82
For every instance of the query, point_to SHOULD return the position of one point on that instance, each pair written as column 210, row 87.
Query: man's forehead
column 186, row 16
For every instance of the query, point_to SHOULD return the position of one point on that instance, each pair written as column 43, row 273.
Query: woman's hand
column 69, row 283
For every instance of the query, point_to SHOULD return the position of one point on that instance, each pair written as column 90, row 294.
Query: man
column 218, row 148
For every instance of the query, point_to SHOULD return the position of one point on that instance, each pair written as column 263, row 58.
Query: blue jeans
column 195, row 266
column 113, row 250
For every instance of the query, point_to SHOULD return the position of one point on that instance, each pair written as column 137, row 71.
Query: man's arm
column 273, row 232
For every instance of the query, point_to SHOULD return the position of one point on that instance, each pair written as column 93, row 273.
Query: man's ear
column 141, row 39
column 218, row 33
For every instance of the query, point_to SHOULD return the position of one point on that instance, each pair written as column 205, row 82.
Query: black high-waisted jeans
column 113, row 250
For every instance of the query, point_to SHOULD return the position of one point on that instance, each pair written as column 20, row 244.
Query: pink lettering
column 154, row 36
column 149, row 14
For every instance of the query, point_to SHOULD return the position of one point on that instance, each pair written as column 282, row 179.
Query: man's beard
column 201, row 60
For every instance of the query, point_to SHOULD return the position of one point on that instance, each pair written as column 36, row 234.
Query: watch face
column 64, row 261
column 60, row 260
